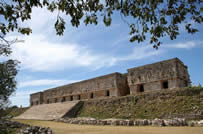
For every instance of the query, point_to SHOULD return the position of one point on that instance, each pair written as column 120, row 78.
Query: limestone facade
column 162, row 75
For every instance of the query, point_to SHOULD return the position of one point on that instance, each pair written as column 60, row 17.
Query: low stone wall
column 11, row 124
column 137, row 122
column 36, row 130
column 22, row 128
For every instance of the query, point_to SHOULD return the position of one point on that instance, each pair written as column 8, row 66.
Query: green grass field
column 64, row 128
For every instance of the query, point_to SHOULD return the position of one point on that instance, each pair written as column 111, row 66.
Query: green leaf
column 60, row 26
column 107, row 20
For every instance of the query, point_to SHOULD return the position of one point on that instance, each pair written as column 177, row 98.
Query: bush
column 7, row 131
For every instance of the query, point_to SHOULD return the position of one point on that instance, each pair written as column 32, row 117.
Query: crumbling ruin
column 168, row 74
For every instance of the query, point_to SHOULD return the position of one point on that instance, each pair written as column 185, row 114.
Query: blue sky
column 48, row 60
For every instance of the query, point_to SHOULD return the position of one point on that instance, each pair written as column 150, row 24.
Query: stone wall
column 36, row 98
column 21, row 128
column 183, row 75
column 122, row 85
column 166, row 74
column 109, row 85
column 137, row 122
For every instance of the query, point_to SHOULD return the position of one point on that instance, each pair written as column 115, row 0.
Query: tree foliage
column 148, row 18
column 11, row 13
column 8, row 72
column 156, row 18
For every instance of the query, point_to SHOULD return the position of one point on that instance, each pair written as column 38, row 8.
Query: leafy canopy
column 156, row 18
column 8, row 72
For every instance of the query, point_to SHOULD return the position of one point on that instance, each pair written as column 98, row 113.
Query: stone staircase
column 50, row 111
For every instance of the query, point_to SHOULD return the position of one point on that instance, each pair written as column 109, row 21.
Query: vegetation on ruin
column 165, row 104
column 12, row 111
column 7, row 131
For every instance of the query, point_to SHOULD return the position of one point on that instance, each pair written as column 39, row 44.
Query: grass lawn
column 64, row 128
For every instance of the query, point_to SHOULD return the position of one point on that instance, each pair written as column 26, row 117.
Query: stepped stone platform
column 50, row 111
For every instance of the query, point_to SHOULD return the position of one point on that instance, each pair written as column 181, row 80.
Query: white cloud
column 44, row 82
column 41, row 53
column 120, row 40
column 42, row 20
column 185, row 45
column 141, row 52
column 38, row 54
column 21, row 97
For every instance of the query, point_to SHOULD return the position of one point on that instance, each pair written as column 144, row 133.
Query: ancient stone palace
column 168, row 74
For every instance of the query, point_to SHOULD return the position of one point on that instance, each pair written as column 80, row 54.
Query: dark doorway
column 186, row 83
column 107, row 93
column 78, row 97
column 37, row 102
column 63, row 99
column 140, row 88
column 56, row 100
column 47, row 101
column 91, row 95
column 71, row 98
column 165, row 84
